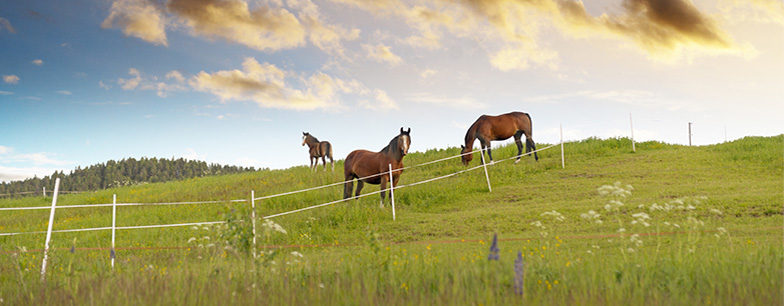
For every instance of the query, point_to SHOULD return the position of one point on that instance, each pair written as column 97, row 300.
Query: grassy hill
column 665, row 224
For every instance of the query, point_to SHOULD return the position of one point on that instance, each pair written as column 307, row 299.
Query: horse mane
column 471, row 133
column 391, row 147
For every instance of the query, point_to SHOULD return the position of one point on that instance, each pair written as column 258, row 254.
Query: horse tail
column 529, row 142
column 329, row 150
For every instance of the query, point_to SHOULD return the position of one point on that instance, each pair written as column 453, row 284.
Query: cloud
column 7, row 93
column 630, row 97
column 38, row 62
column 64, row 92
column 460, row 103
column 11, row 79
column 138, row 18
column 5, row 150
column 5, row 24
column 264, row 28
column 268, row 86
column 138, row 82
column 382, row 53
column 513, row 31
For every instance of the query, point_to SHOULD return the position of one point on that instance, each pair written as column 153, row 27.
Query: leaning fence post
column 49, row 230
column 114, row 226
column 392, row 191
column 253, row 218
column 487, row 176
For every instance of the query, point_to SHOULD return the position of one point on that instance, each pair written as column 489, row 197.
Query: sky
column 237, row 81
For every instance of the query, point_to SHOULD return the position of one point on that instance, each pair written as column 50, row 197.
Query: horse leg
column 324, row 161
column 531, row 146
column 489, row 153
column 311, row 162
column 348, row 187
column 332, row 161
column 360, row 184
column 519, row 144
column 383, row 186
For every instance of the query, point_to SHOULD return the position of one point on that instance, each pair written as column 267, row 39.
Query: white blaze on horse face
column 406, row 141
column 304, row 139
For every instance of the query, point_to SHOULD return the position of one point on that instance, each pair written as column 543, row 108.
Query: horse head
column 465, row 155
column 305, row 138
column 404, row 141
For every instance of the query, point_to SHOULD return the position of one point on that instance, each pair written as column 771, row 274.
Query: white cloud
column 38, row 62
column 7, row 93
column 64, row 92
column 11, row 79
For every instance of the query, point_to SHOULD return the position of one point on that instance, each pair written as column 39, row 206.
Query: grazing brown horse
column 318, row 149
column 373, row 167
column 490, row 128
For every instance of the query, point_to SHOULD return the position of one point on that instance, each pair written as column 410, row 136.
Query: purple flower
column 494, row 249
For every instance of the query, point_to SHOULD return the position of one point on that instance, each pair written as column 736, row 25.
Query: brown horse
column 318, row 149
column 373, row 167
column 490, row 128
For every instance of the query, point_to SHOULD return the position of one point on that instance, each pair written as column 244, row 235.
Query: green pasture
column 664, row 225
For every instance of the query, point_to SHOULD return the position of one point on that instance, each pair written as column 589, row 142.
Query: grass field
column 664, row 225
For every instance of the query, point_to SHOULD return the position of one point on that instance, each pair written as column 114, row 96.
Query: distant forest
column 118, row 173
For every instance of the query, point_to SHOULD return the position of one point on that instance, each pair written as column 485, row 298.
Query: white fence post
column 114, row 226
column 484, row 165
column 49, row 230
column 253, row 218
column 631, row 124
column 392, row 191
column 563, row 162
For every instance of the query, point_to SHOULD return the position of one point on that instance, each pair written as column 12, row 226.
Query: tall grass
column 684, row 225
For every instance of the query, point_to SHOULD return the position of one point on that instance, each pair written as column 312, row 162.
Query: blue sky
column 237, row 82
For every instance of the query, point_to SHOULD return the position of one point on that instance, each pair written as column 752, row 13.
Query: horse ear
column 409, row 131
column 303, row 133
column 462, row 146
column 401, row 130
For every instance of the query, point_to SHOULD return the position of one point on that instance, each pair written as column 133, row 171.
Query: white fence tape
column 481, row 151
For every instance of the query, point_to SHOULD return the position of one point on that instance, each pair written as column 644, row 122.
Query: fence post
column 253, row 218
column 484, row 164
column 563, row 163
column 392, row 191
column 49, row 230
column 114, row 226
column 631, row 124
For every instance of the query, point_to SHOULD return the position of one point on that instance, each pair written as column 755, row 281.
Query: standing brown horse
column 490, row 128
column 372, row 167
column 318, row 149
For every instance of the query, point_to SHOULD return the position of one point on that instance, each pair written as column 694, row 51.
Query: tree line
column 125, row 172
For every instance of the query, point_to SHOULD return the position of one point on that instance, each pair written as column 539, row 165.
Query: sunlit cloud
column 138, row 18
column 269, row 87
column 382, row 53
column 138, row 82
column 38, row 62
column 11, row 79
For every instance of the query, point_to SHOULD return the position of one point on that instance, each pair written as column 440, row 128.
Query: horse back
column 363, row 163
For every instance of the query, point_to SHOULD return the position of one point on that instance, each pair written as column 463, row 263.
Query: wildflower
column 519, row 273
column 494, row 249
column 297, row 254
column 716, row 211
